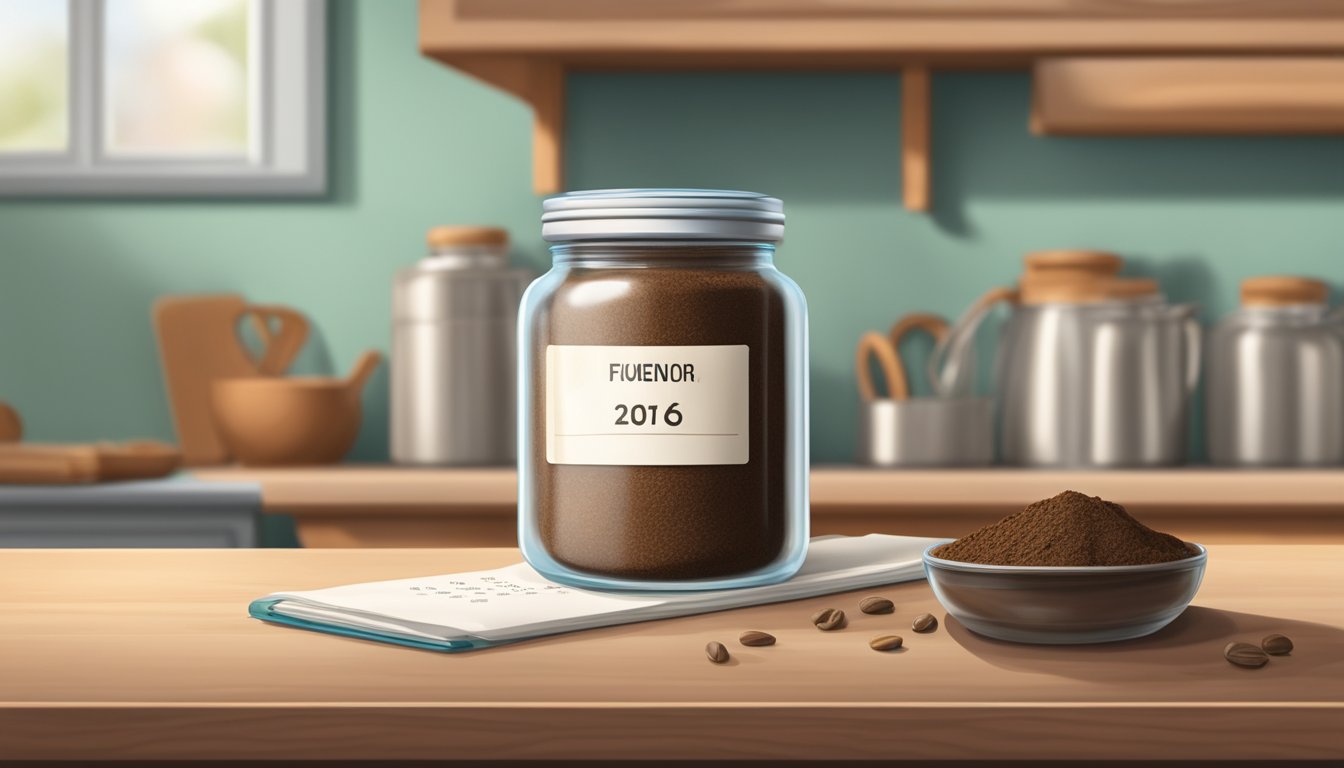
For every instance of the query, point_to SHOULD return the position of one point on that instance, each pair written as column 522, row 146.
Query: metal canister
column 454, row 351
column 1276, row 378
column 904, row 431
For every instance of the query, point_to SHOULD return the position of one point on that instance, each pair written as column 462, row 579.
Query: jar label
column 647, row 405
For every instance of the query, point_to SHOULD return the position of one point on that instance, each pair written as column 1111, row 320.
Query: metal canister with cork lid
column 453, row 351
column 1276, row 377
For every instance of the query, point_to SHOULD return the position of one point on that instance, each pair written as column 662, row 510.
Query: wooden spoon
column 11, row 426
column 359, row 375
column 281, row 345
column 878, row 346
column 930, row 323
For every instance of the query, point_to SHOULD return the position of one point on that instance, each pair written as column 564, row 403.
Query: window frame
column 289, row 120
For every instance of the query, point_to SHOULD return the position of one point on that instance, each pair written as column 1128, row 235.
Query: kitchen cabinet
column 1103, row 47
column 179, row 672
column 153, row 513
column 383, row 506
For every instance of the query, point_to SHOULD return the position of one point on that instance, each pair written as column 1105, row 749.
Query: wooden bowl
column 274, row 421
column 267, row 421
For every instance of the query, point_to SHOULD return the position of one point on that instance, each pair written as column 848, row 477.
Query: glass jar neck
column 664, row 253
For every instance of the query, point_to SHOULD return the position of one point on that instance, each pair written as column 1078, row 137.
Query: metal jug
column 1092, row 370
column 1275, row 392
column 453, row 343
column 1100, row 381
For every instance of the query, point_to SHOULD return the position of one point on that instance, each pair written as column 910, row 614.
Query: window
column 153, row 97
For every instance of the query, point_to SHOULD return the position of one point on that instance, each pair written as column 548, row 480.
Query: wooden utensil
column 45, row 463
column 282, row 342
column 886, row 350
column 275, row 421
column 199, row 344
column 875, row 345
column 930, row 323
column 11, row 426
column 359, row 375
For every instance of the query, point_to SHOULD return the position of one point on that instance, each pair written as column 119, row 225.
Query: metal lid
column 662, row 214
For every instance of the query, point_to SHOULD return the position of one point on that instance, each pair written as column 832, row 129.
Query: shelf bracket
column 915, row 137
column 540, row 84
column 547, row 98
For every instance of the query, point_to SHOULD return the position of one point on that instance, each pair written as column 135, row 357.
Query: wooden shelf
column 1229, row 95
column 370, row 505
column 328, row 490
column 147, row 657
column 526, row 47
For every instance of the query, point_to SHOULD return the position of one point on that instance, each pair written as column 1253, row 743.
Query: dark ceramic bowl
column 1059, row 606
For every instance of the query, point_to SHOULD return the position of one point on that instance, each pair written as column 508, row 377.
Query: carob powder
column 668, row 522
column 1071, row 529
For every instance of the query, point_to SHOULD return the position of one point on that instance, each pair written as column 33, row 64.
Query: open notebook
column 463, row 611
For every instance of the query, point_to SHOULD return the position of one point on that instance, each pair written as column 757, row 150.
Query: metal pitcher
column 1092, row 370
column 1276, row 378
column 1097, row 384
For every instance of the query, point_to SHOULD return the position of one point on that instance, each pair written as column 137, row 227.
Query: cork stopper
column 459, row 236
column 1281, row 291
column 1086, row 291
column 1073, row 262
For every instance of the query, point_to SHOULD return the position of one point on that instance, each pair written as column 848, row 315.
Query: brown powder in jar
column 668, row 522
column 1071, row 529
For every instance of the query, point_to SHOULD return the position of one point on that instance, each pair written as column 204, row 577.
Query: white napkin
column 481, row 608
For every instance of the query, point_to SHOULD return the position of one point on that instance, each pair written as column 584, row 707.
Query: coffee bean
column 829, row 619
column 924, row 622
column 717, row 653
column 1277, row 645
column 1245, row 655
column 754, row 639
column 876, row 605
column 886, row 643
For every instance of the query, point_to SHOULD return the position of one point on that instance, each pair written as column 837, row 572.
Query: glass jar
column 663, row 394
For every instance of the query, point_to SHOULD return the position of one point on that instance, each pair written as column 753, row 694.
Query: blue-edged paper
column 465, row 611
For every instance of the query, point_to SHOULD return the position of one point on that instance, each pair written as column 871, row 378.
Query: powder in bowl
column 1070, row 529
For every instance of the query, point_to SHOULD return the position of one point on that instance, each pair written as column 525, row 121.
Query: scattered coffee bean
column 886, row 643
column 1277, row 645
column 754, row 639
column 829, row 619
column 1245, row 655
column 924, row 622
column 717, row 653
column 876, row 605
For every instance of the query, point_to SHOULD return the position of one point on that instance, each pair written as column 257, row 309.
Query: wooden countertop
column 149, row 654
column 337, row 489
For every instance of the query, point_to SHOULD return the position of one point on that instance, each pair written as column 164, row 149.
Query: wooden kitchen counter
column 384, row 506
column 149, row 654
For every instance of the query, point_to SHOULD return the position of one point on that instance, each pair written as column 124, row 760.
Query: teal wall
column 415, row 144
